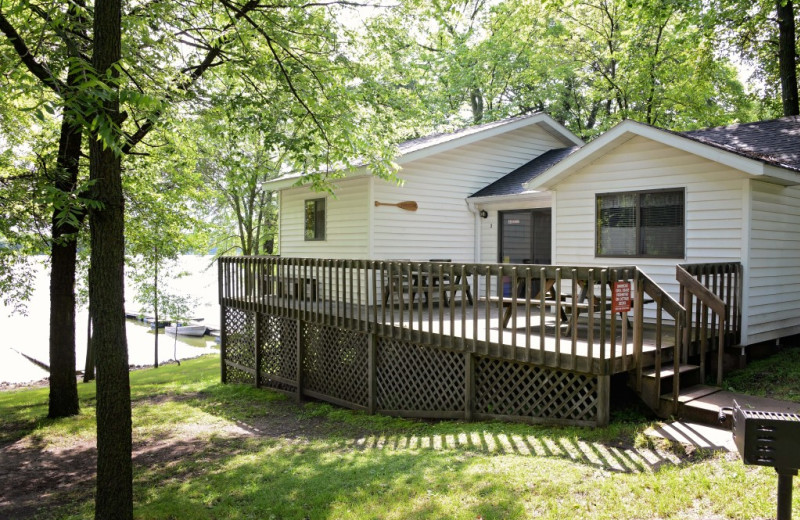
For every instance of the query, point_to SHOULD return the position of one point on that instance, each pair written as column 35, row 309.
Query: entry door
column 525, row 236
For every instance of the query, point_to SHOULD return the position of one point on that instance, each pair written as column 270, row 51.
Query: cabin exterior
column 646, row 254
column 438, row 173
column 737, row 200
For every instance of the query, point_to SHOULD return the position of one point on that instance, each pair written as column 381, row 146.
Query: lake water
column 30, row 334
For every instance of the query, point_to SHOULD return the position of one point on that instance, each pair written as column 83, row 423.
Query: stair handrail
column 691, row 286
column 664, row 302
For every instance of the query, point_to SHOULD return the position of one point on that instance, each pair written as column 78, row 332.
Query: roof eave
column 551, row 126
column 630, row 129
column 781, row 176
column 294, row 181
column 526, row 195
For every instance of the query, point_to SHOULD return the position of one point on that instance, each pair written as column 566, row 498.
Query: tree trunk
column 88, row 370
column 476, row 101
column 787, row 58
column 114, row 497
column 63, row 383
column 155, row 308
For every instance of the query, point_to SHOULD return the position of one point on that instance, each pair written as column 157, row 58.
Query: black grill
column 769, row 439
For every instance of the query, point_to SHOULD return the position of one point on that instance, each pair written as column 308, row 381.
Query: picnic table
column 548, row 297
column 425, row 279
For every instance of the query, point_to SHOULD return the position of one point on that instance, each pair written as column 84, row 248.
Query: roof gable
column 514, row 183
column 436, row 143
column 427, row 146
column 714, row 144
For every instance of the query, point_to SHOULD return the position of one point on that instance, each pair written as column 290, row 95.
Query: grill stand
column 785, row 476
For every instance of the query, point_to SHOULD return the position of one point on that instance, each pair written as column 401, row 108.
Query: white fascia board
column 295, row 181
column 630, row 129
column 480, row 202
column 548, row 123
column 781, row 176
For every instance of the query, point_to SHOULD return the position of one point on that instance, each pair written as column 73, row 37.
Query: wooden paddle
column 408, row 205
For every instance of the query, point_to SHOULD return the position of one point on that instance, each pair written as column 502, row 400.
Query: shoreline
column 5, row 386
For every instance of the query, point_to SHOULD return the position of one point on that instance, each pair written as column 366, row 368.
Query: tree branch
column 36, row 68
column 187, row 82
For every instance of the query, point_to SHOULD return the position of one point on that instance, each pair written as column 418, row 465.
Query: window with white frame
column 641, row 224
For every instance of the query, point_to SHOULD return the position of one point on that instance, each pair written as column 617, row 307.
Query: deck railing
column 444, row 339
column 668, row 313
column 712, row 295
column 569, row 325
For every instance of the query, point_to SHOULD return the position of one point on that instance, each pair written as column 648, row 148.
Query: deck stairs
column 710, row 301
column 657, row 385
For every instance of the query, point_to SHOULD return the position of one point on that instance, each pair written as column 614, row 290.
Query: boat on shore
column 191, row 329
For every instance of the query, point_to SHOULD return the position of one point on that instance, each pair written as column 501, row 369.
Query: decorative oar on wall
column 408, row 205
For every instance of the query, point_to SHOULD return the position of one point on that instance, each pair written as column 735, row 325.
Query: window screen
column 315, row 219
column 649, row 224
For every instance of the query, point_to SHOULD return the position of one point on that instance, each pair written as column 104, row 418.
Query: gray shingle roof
column 775, row 141
column 514, row 182
column 421, row 143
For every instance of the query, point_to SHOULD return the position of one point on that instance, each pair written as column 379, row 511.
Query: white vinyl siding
column 713, row 200
column 490, row 226
column 443, row 226
column 774, row 291
column 346, row 222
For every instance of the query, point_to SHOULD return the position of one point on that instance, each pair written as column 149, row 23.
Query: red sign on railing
column 621, row 302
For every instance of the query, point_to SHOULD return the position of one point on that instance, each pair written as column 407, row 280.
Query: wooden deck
column 344, row 331
column 480, row 325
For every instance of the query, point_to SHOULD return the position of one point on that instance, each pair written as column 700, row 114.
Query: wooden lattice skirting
column 365, row 371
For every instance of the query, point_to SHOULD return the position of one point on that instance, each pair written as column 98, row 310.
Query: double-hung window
column 641, row 224
column 315, row 219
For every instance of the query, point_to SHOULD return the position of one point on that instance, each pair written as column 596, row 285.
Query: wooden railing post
column 372, row 374
column 301, row 348
column 721, row 349
column 257, row 346
column 469, row 385
column 603, row 399
column 223, row 340
column 638, row 329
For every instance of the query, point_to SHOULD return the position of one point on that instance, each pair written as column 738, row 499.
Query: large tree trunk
column 63, row 384
column 155, row 309
column 106, row 289
column 88, row 371
column 787, row 58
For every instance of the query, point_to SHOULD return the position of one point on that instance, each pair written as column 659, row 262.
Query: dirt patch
column 36, row 477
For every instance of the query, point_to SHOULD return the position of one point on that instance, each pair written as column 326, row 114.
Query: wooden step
column 692, row 405
column 670, row 371
column 653, row 387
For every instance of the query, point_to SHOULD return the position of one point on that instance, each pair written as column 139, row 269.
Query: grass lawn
column 206, row 450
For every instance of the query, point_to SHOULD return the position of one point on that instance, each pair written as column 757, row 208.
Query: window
column 642, row 223
column 315, row 219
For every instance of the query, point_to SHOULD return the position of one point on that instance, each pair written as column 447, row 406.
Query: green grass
column 212, row 451
column 777, row 377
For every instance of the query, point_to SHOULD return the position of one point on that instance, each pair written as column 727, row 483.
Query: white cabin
column 438, row 173
column 526, row 190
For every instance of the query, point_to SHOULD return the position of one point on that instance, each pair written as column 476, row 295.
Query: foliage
column 749, row 30
column 588, row 64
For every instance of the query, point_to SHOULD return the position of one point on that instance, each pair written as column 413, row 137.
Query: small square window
column 315, row 219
